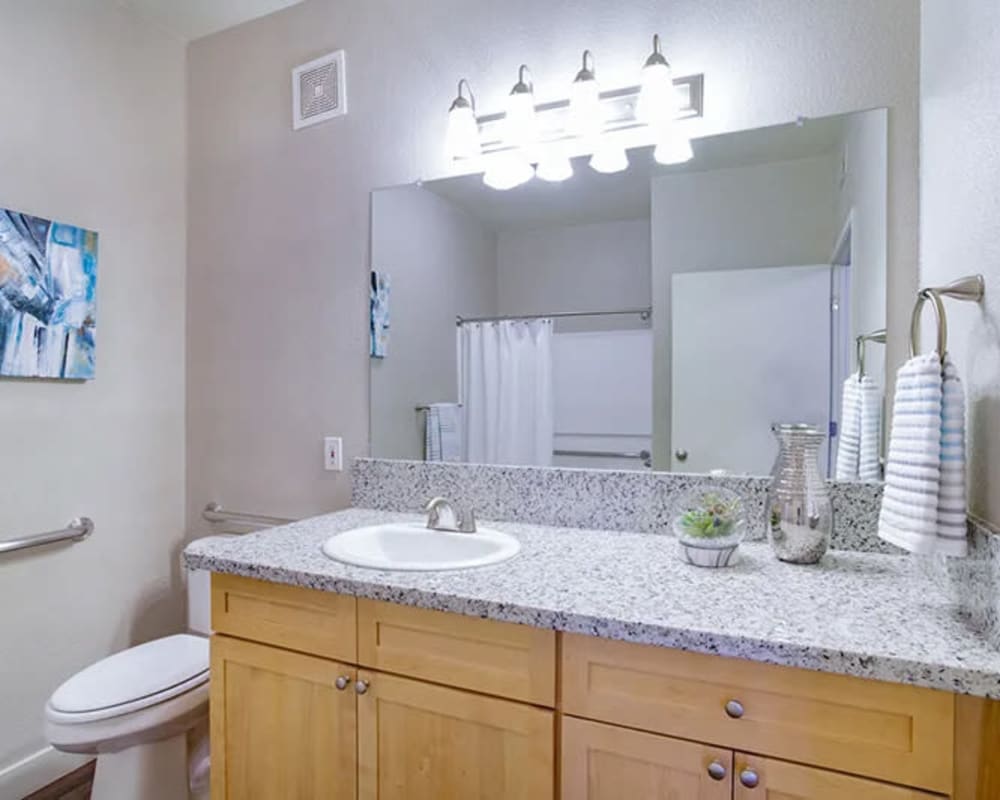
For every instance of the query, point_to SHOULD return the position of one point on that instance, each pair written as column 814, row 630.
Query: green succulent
column 714, row 517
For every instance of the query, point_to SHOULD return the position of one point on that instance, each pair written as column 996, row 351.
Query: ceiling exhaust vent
column 319, row 90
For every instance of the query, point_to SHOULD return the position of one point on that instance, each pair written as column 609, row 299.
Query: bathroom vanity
column 595, row 665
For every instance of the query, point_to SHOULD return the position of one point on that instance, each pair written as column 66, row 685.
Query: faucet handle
column 467, row 521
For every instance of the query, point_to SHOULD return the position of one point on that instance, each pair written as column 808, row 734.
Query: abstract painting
column 48, row 298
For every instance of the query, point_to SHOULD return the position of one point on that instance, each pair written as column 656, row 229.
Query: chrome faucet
column 442, row 516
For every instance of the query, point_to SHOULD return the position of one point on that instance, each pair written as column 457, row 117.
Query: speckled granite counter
column 864, row 614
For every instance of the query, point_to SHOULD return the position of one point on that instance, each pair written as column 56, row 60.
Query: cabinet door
column 420, row 741
column 759, row 778
column 604, row 762
column 280, row 726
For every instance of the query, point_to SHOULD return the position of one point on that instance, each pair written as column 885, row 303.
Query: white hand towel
column 860, row 432
column 443, row 432
column 923, row 505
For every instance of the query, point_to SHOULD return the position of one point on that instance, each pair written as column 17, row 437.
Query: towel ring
column 968, row 289
column 939, row 317
column 859, row 344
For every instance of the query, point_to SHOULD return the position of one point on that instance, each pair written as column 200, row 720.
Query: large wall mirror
column 661, row 317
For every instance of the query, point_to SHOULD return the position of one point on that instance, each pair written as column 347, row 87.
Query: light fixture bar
column 619, row 106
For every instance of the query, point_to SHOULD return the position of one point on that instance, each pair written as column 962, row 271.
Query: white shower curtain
column 505, row 386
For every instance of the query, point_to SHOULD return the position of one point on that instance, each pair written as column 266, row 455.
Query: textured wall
column 278, row 220
column 92, row 132
column 960, row 211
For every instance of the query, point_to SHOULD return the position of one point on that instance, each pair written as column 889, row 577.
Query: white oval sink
column 413, row 546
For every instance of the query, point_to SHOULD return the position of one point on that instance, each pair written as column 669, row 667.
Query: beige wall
column 92, row 133
column 960, row 211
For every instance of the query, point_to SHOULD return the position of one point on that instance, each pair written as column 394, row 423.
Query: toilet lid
column 161, row 669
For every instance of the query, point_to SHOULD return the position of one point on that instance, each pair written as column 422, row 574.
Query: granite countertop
column 863, row 614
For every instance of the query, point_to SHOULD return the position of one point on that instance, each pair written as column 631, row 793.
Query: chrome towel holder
column 860, row 342
column 969, row 289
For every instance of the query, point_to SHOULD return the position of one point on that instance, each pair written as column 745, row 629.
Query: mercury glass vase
column 799, row 510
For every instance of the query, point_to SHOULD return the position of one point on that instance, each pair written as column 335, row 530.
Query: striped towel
column 443, row 432
column 923, row 506
column 860, row 433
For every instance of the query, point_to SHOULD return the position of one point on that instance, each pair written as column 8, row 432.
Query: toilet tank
column 199, row 601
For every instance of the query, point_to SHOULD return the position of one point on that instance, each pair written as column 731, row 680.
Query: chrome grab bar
column 643, row 455
column 215, row 513
column 77, row 530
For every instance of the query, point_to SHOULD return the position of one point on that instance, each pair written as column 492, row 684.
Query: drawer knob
column 341, row 682
column 361, row 687
column 717, row 770
column 734, row 708
column 749, row 778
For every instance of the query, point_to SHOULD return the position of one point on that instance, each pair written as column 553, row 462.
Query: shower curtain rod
column 644, row 313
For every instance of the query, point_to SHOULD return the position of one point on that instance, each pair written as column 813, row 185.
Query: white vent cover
column 319, row 90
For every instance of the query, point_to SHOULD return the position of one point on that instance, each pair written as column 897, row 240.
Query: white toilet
column 142, row 712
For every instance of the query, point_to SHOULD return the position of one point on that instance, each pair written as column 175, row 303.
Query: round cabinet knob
column 717, row 770
column 341, row 682
column 749, row 778
column 734, row 708
column 361, row 687
column 681, row 455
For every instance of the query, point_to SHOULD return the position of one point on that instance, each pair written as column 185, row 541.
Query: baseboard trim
column 37, row 770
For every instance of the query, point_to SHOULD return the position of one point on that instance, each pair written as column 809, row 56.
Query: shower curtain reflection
column 505, row 382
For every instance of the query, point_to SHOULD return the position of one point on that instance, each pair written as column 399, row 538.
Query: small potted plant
column 710, row 527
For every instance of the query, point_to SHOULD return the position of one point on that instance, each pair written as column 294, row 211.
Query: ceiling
column 592, row 197
column 192, row 19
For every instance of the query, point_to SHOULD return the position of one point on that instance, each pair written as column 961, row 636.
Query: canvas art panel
column 48, row 298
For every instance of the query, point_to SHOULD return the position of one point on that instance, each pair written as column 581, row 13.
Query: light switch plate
column 333, row 456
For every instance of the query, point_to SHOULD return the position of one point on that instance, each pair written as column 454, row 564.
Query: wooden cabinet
column 604, row 762
column 419, row 741
column 760, row 778
column 316, row 695
column 280, row 727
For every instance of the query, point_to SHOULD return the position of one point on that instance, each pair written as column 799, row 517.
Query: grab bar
column 643, row 455
column 214, row 512
column 77, row 530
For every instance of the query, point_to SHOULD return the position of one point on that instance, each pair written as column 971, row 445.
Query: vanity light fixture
column 507, row 170
column 609, row 158
column 521, row 124
column 657, row 102
column 585, row 113
column 674, row 147
column 554, row 166
column 462, row 138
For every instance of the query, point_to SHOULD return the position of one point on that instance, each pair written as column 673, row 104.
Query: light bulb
column 609, row 159
column 554, row 168
column 674, row 147
column 657, row 103
column 520, row 124
column 586, row 117
column 508, row 170
column 462, row 137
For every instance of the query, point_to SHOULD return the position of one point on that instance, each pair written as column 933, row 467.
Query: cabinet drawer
column 605, row 762
column 498, row 658
column 308, row 620
column 897, row 733
column 766, row 779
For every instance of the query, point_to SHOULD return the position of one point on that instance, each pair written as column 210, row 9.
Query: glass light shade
column 508, row 170
column 657, row 103
column 520, row 124
column 609, row 159
column 462, row 138
column 586, row 117
column 674, row 147
column 554, row 168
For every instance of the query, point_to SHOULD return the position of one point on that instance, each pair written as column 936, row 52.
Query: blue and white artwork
column 48, row 298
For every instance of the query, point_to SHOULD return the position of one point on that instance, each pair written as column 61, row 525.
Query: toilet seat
column 149, row 692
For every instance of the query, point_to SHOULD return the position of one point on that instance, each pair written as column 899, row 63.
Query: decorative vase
column 710, row 526
column 799, row 510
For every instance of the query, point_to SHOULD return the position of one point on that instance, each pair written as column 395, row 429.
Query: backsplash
column 580, row 498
